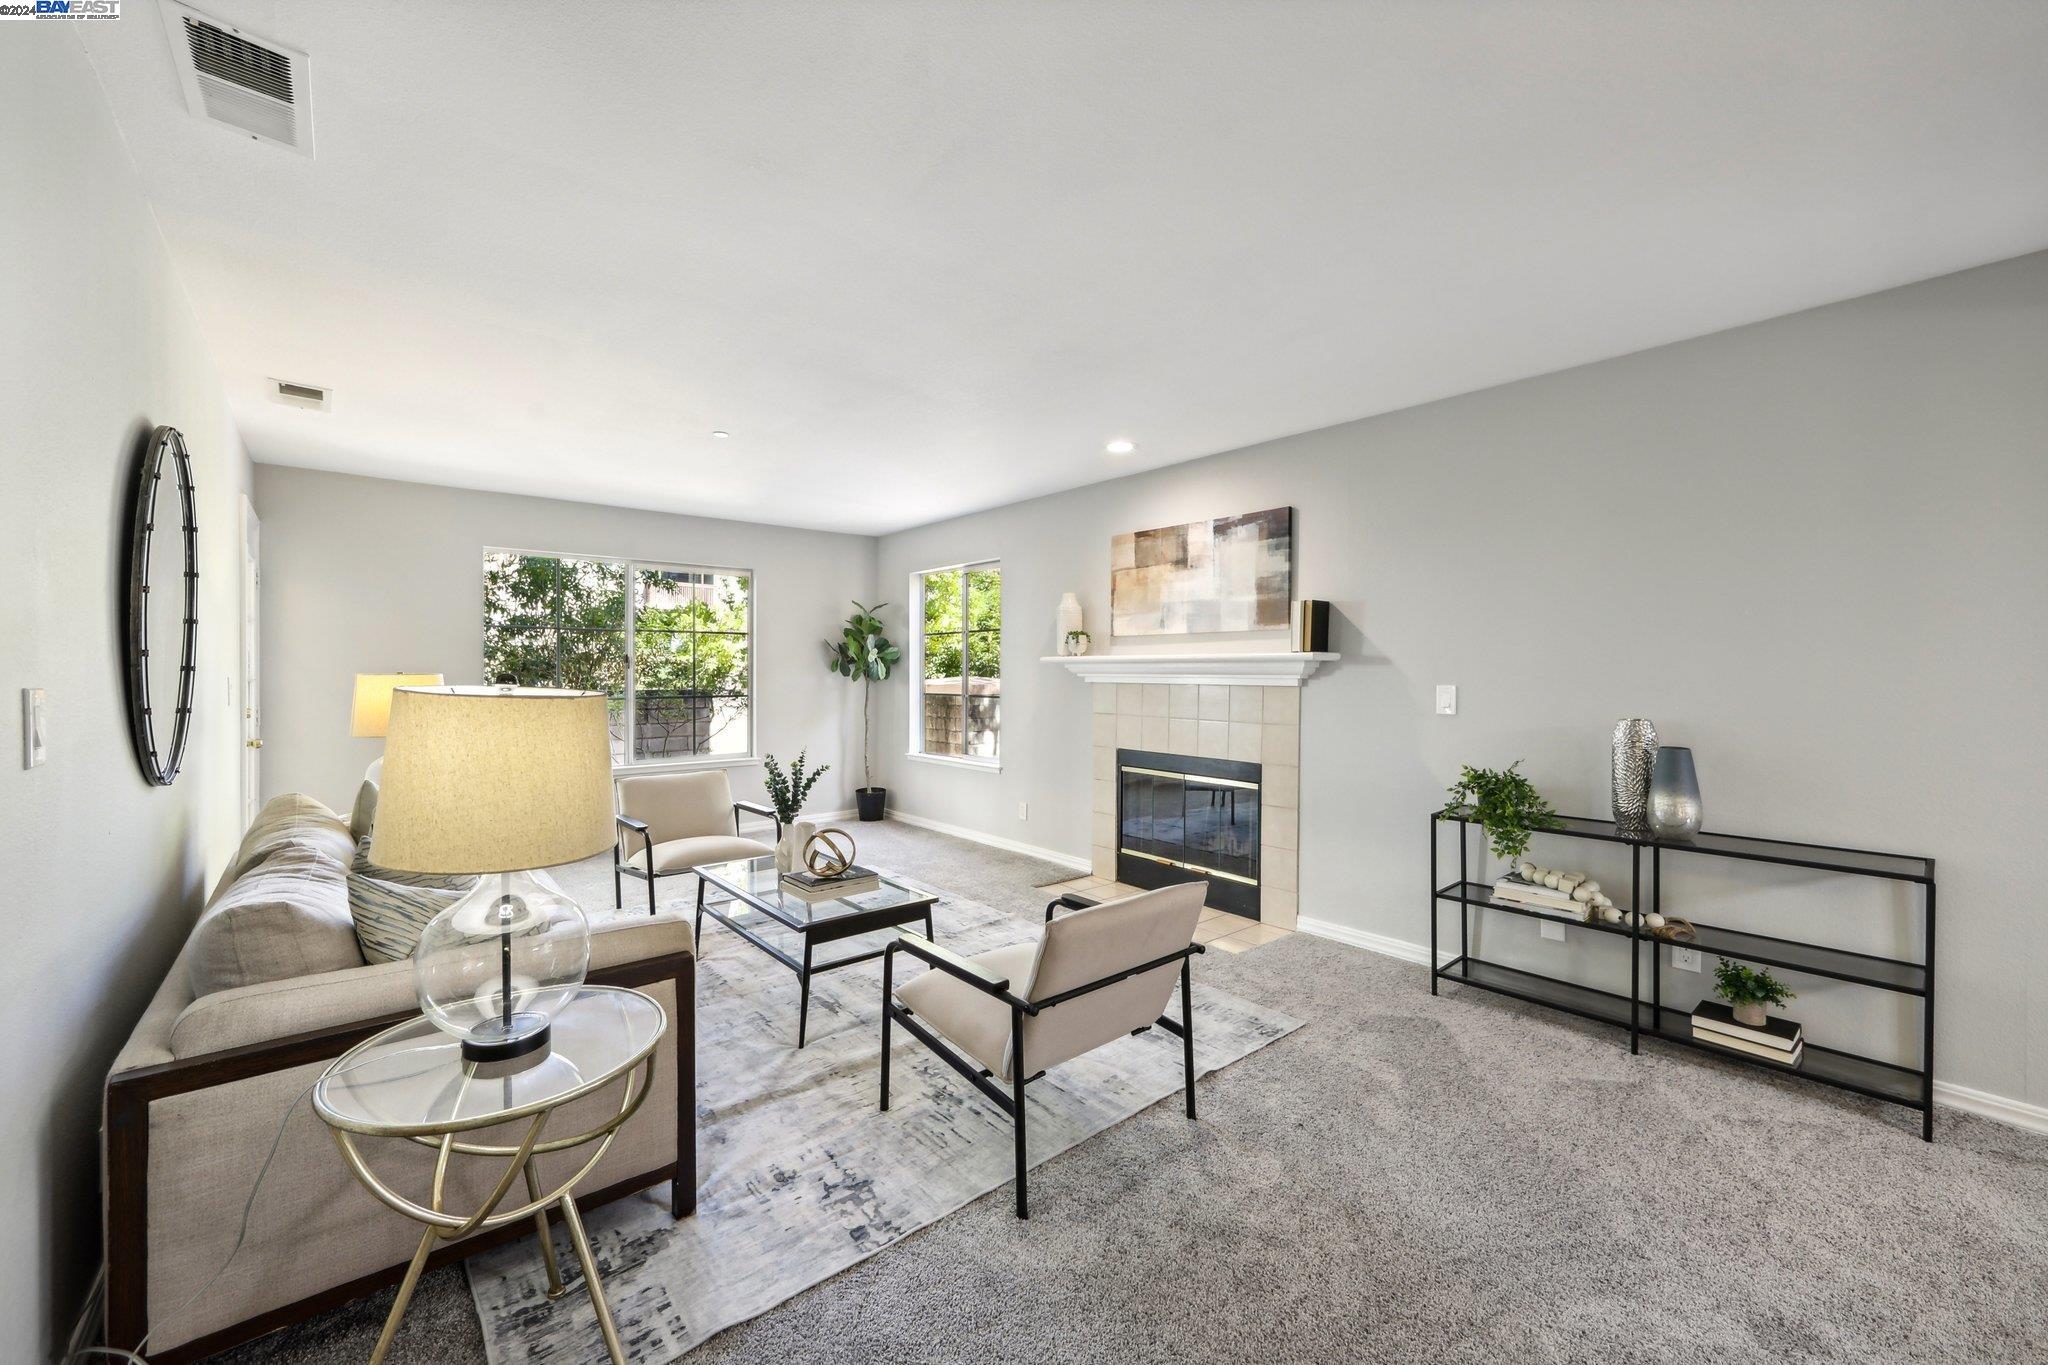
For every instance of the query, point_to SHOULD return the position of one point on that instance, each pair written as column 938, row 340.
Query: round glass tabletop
column 411, row 1079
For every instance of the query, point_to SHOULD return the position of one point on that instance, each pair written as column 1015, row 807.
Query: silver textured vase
column 1635, row 748
column 1674, row 794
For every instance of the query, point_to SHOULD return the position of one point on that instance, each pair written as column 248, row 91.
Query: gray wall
column 1811, row 549
column 97, row 345
column 371, row 575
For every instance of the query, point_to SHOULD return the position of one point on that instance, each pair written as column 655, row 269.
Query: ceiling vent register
column 254, row 86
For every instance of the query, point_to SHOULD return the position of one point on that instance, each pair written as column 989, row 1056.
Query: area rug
column 801, row 1175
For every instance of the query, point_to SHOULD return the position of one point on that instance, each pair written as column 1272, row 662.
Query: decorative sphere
column 829, row 852
column 512, row 928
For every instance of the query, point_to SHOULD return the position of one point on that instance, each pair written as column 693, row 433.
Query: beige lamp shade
column 370, row 715
column 493, row 779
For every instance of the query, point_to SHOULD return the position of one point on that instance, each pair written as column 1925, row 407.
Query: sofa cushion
column 286, row 916
column 293, row 818
column 389, row 916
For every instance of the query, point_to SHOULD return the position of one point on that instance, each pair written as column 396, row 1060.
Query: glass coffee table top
column 412, row 1079
column 755, row 881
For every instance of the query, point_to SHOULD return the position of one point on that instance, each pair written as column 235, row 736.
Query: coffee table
column 755, row 884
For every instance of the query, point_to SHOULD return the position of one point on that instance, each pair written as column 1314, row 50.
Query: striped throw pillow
column 443, row 881
column 391, row 916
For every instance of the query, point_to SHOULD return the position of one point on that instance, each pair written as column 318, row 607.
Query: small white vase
column 789, row 849
column 1750, row 1016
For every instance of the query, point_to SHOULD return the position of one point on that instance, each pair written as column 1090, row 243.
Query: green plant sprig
column 1503, row 801
column 787, row 792
column 1739, row 985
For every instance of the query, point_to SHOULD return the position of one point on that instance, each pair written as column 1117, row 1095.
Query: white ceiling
column 924, row 258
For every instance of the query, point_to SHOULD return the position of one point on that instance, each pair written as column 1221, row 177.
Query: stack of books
column 1541, row 899
column 812, row 889
column 1779, row 1040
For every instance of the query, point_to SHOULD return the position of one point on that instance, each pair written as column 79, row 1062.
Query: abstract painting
column 1232, row 573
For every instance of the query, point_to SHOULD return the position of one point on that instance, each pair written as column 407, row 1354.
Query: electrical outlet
column 1446, row 699
column 1023, row 810
column 1551, row 931
column 34, row 741
column 1685, row 959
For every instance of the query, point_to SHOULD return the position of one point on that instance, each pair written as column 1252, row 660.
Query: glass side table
column 411, row 1082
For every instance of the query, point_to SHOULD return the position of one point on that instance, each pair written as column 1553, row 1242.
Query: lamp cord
column 242, row 1234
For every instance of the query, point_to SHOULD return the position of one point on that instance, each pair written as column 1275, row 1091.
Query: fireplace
column 1182, row 819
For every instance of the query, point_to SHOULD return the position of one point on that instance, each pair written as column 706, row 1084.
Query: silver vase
column 1674, row 794
column 1635, row 748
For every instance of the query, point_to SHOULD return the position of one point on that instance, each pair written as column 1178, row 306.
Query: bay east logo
column 62, row 9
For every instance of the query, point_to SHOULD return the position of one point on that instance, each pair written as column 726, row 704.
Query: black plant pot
column 870, row 801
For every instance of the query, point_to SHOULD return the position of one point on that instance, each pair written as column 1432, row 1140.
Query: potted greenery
column 1747, row 991
column 863, row 653
column 1505, row 803
column 787, row 792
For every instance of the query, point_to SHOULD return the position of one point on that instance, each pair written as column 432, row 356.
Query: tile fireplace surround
column 1208, row 720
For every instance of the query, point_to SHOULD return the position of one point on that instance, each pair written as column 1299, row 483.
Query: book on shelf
column 809, row 886
column 1779, row 1035
column 1770, row 1054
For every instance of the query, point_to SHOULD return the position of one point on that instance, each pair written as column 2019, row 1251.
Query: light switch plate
column 1552, row 931
column 1023, row 810
column 34, row 739
column 1446, row 699
column 1685, row 959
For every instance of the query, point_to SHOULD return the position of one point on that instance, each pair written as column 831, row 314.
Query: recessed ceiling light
column 1121, row 447
column 720, row 435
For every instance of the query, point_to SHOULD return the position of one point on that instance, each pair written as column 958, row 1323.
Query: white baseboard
column 1080, row 865
column 2018, row 1113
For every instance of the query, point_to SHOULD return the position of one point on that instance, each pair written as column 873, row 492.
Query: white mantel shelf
column 1241, row 670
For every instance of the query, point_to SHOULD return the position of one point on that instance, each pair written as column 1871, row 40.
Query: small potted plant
column 1505, row 803
column 1748, row 991
column 787, row 792
column 863, row 653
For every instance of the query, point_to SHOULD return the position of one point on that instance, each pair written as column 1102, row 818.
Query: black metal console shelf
column 1642, row 1015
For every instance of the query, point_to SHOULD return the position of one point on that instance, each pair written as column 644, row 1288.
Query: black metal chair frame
column 980, row 1077
column 628, row 827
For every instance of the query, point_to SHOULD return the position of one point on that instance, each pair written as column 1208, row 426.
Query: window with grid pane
column 670, row 644
column 960, row 694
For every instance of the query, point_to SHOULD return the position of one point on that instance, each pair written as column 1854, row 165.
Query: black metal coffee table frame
column 813, row 933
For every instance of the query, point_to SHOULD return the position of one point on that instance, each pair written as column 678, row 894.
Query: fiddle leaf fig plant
column 1503, row 801
column 863, row 653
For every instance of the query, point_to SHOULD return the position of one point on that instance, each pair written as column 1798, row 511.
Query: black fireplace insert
column 1182, row 819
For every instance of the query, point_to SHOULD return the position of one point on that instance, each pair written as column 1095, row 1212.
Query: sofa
column 270, row 987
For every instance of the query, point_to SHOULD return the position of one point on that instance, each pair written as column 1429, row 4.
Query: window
column 960, row 647
column 671, row 645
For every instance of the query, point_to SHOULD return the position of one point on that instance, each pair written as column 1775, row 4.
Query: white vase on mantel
column 1069, row 622
column 789, row 849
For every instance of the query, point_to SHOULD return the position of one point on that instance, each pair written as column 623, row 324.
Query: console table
column 1642, row 1013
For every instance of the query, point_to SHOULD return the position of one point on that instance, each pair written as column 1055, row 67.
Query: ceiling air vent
column 254, row 86
column 301, row 395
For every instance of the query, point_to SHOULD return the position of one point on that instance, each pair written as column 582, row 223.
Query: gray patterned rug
column 801, row 1175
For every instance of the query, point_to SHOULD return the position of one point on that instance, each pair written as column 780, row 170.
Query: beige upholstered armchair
column 680, row 821
column 1093, row 976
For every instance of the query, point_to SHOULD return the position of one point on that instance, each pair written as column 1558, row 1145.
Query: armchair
column 1004, row 1017
column 681, row 821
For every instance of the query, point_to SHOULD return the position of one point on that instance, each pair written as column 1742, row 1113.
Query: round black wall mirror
column 161, row 619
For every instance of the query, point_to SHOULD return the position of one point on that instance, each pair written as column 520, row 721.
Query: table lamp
column 369, row 713
column 497, row 781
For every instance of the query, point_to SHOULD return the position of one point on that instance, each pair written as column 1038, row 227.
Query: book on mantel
column 1778, row 1040
column 812, row 889
column 1542, row 899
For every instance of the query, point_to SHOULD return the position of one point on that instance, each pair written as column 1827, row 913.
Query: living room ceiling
column 919, row 259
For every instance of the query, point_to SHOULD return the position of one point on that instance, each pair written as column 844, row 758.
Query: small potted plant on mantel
column 863, row 653
column 1748, row 992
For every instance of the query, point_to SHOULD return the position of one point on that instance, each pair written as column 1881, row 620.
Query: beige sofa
column 271, row 987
